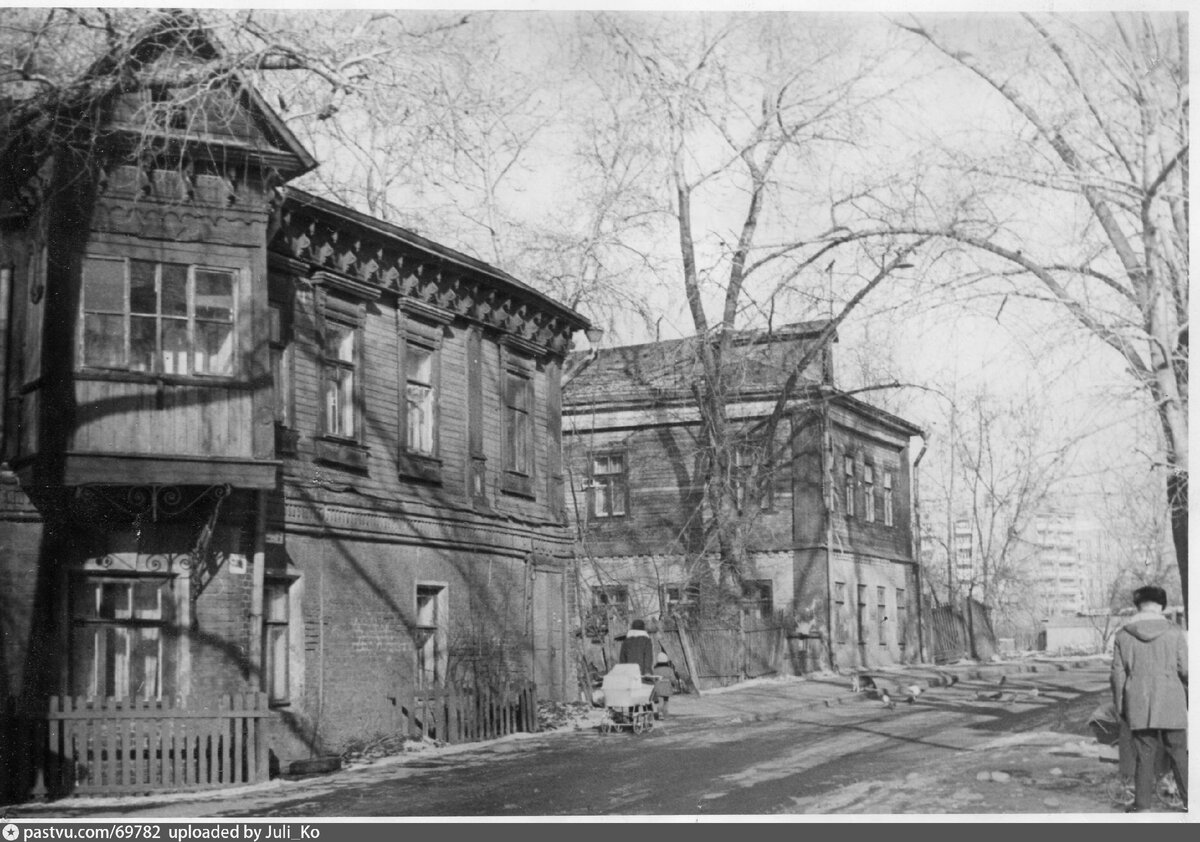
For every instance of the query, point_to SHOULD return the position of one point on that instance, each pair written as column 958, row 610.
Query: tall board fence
column 719, row 655
column 77, row 746
column 962, row 630
column 466, row 713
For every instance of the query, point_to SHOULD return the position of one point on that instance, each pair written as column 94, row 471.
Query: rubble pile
column 552, row 716
column 385, row 745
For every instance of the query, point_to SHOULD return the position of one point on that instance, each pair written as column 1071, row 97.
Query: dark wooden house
column 830, row 545
column 255, row 441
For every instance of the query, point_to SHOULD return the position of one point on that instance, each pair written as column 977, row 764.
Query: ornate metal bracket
column 139, row 503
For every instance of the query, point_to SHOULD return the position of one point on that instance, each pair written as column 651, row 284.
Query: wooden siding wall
column 665, row 491
column 123, row 417
column 866, row 442
column 382, row 404
column 118, row 412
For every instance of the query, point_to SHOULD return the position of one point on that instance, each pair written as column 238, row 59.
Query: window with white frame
column 848, row 475
column 339, row 370
column 518, row 403
column 889, row 503
column 420, row 397
column 869, row 493
column 432, row 653
column 518, row 422
column 158, row 317
column 610, row 487
column 120, row 647
column 276, row 624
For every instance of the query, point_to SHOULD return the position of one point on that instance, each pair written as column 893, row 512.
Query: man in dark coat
column 1149, row 687
column 636, row 648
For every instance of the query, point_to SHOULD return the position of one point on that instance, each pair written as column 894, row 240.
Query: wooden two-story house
column 257, row 441
column 830, row 531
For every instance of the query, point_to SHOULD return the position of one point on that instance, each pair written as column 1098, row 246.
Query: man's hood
column 1146, row 627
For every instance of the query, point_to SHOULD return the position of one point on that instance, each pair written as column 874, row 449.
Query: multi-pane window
column 848, row 469
column 432, row 651
column 757, row 597
column 281, row 364
column 420, row 396
column 609, row 485
column 901, row 618
column 119, row 645
column 164, row 318
column 869, row 493
column 680, row 599
column 339, row 369
column 611, row 596
column 275, row 641
column 881, row 615
column 518, row 423
column 889, row 504
column 743, row 467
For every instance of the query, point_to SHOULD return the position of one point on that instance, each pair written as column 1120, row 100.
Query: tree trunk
column 1177, row 495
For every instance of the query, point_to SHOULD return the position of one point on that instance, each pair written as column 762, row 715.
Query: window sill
column 420, row 467
column 342, row 453
column 519, row 485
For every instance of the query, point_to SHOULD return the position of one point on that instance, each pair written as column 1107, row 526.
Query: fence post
column 689, row 660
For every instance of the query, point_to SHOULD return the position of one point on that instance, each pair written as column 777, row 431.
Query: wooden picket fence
column 466, row 714
column 77, row 746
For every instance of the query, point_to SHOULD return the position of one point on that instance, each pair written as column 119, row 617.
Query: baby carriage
column 627, row 700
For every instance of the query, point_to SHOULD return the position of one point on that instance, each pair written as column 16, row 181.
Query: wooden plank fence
column 962, row 630
column 77, row 746
column 466, row 714
column 727, row 655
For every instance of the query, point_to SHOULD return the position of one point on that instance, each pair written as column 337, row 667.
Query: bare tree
column 1086, row 208
column 737, row 112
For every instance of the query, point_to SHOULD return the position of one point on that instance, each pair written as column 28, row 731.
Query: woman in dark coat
column 636, row 648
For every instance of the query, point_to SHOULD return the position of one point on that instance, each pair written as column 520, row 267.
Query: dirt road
column 954, row 750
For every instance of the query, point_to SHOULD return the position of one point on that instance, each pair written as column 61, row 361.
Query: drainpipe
column 916, row 542
column 827, row 500
column 258, row 572
column 6, row 276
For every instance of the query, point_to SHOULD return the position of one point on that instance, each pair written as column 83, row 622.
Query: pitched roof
column 386, row 231
column 234, row 117
column 664, row 371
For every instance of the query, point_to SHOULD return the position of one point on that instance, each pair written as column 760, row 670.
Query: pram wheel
column 1120, row 791
column 1168, row 792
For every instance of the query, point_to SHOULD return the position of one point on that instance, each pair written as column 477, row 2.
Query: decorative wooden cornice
column 346, row 284
column 335, row 244
column 425, row 312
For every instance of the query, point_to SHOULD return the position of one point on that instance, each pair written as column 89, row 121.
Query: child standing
column 664, row 686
